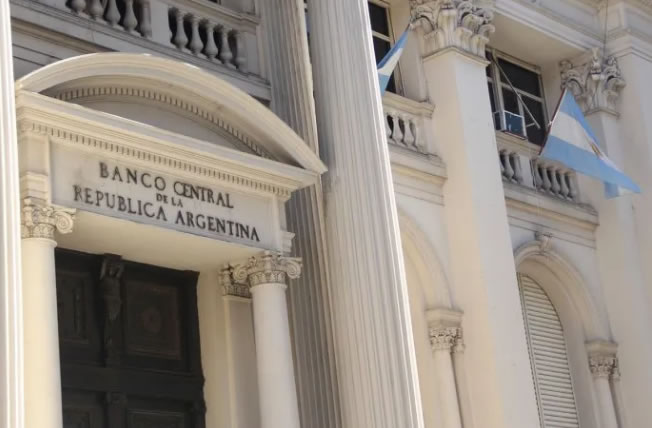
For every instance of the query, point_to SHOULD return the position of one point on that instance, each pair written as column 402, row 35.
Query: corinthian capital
column 594, row 79
column 443, row 338
column 267, row 269
column 41, row 220
column 603, row 365
column 460, row 24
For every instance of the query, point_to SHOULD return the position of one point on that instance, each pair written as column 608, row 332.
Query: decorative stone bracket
column 595, row 82
column 459, row 24
column 42, row 220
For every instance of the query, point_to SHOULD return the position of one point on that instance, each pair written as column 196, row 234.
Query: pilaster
column 483, row 273
column 603, row 364
column 374, row 349
column 601, row 87
column 292, row 100
column 11, row 297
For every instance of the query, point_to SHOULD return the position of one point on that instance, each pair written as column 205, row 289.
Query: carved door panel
column 129, row 338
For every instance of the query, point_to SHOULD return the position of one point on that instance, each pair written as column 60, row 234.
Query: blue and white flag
column 571, row 141
column 387, row 65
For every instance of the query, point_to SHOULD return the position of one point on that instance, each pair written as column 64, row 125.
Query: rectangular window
column 508, row 80
column 381, row 31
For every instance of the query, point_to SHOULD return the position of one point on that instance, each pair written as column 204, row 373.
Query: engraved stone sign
column 133, row 192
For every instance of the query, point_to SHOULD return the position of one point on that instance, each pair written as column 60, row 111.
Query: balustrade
column 132, row 16
column 404, row 122
column 510, row 166
column 207, row 38
column 554, row 179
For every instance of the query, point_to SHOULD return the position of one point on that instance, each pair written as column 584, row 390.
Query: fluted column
column 290, row 76
column 266, row 276
column 442, row 341
column 42, row 366
column 603, row 366
column 11, row 321
column 374, row 350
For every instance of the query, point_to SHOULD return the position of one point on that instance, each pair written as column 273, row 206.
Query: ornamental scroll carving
column 453, row 23
column 42, row 220
column 269, row 268
column 596, row 83
column 444, row 338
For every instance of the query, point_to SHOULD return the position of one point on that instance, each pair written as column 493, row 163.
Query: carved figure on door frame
column 110, row 278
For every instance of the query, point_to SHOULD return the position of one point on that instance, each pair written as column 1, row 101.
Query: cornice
column 85, row 129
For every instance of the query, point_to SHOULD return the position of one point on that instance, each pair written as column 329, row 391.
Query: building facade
column 211, row 218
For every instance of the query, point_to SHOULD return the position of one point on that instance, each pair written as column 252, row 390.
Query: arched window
column 548, row 357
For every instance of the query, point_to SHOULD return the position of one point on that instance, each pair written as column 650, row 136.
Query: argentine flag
column 387, row 65
column 571, row 141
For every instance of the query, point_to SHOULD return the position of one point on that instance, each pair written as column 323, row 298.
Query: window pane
column 535, row 135
column 378, row 17
column 521, row 78
column 381, row 47
column 510, row 101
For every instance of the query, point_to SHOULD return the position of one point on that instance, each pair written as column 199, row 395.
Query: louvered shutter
column 548, row 357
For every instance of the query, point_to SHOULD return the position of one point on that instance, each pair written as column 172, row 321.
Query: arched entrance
column 154, row 175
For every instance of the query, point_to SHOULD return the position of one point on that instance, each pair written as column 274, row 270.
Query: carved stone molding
column 42, row 220
column 544, row 239
column 443, row 338
column 268, row 268
column 603, row 359
column 458, row 24
column 595, row 80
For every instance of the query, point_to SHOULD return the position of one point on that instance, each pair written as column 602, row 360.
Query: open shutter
column 548, row 357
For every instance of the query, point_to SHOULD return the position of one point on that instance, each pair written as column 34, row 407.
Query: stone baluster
column 226, row 55
column 196, row 44
column 42, row 371
column 130, row 22
column 180, row 39
column 96, row 10
column 509, row 171
column 145, row 24
column 388, row 128
column 563, row 181
column 408, row 136
column 546, row 184
column 240, row 52
column 518, row 171
column 112, row 13
column 554, row 178
column 572, row 188
column 266, row 276
column 536, row 174
column 210, row 50
column 78, row 6
column 397, row 134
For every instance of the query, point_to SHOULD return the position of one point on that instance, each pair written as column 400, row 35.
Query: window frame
column 391, row 39
column 498, row 84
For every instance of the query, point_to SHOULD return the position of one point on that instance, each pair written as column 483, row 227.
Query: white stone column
column 603, row 364
column 42, row 364
column 442, row 341
column 11, row 321
column 290, row 76
column 483, row 273
column 374, row 349
column 267, row 276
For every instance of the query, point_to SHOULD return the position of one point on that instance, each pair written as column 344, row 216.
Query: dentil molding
column 595, row 80
column 460, row 24
column 42, row 220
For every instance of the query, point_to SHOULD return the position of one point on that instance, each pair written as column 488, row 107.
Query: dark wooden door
column 129, row 337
